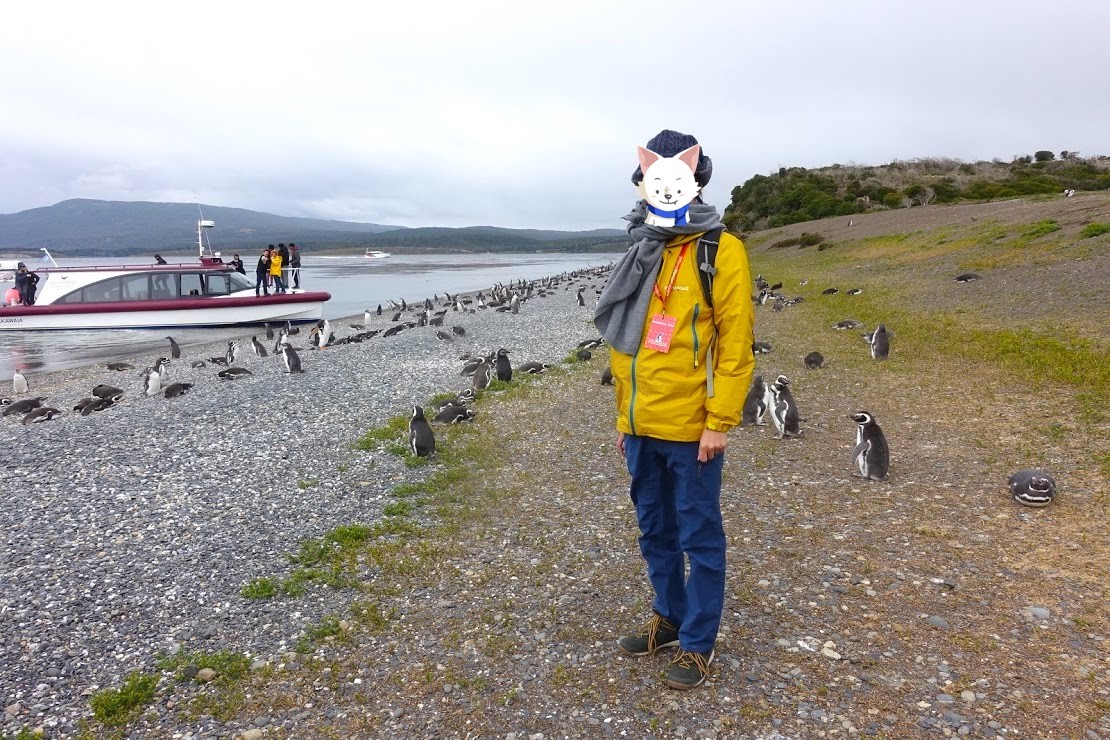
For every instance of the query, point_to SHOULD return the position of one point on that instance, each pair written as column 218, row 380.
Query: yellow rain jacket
column 666, row 395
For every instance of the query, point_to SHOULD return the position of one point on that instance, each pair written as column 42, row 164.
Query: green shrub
column 1094, row 229
column 1044, row 156
column 260, row 588
column 894, row 200
column 116, row 707
column 1041, row 228
column 783, row 243
column 808, row 240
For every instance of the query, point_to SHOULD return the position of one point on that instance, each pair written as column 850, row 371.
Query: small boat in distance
column 374, row 254
column 205, row 293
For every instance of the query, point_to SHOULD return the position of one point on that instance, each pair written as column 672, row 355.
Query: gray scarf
column 623, row 305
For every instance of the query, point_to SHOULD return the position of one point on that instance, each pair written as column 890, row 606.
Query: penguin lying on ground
column 814, row 361
column 968, row 277
column 43, row 413
column 22, row 407
column 1033, row 487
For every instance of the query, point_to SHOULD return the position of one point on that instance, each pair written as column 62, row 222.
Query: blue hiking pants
column 678, row 508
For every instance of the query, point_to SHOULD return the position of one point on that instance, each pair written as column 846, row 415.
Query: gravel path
column 128, row 533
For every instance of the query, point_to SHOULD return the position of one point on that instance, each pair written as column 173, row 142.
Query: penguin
column 19, row 382
column 175, row 351
column 784, row 412
column 583, row 355
column 755, row 404
column 198, row 364
column 379, row 312
column 232, row 354
column 269, row 330
column 455, row 415
column 222, row 361
column 325, row 334
column 880, row 343
column 290, row 329
column 830, row 291
column 504, row 367
column 421, row 440
column 514, row 303
column 291, row 359
column 760, row 347
column 814, row 361
column 1033, row 487
column 444, row 336
column 458, row 331
column 534, row 368
column 855, row 291
column 43, row 413
column 120, row 366
column 483, row 376
column 258, row 348
column 160, row 366
column 775, row 287
column 848, row 324
column 152, row 381
column 591, row 343
column 578, row 296
column 109, row 392
column 607, row 376
column 177, row 389
column 233, row 373
column 871, row 453
column 22, row 407
column 968, row 277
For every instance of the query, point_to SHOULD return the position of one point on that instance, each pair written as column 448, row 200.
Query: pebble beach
column 129, row 533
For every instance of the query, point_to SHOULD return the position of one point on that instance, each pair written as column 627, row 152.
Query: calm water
column 355, row 283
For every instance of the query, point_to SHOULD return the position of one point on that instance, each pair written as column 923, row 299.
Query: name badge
column 660, row 333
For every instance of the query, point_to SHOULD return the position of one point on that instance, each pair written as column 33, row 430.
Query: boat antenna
column 202, row 224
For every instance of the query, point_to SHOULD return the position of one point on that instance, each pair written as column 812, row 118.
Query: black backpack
column 706, row 253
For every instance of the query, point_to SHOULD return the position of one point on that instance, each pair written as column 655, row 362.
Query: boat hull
column 198, row 312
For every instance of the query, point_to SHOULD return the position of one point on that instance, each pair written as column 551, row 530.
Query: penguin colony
column 870, row 457
column 482, row 369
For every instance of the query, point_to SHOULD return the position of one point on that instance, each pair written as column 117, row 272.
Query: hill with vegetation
column 796, row 194
column 119, row 228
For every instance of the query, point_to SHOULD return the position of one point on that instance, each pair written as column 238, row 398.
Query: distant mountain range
column 117, row 228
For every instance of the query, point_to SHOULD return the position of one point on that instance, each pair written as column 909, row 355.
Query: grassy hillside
column 795, row 194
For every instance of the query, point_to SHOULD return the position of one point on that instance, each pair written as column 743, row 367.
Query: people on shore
column 276, row 261
column 262, row 273
column 682, row 360
column 295, row 264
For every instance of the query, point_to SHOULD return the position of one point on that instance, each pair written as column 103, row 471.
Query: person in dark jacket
column 26, row 282
column 262, row 273
column 237, row 263
column 158, row 260
column 295, row 264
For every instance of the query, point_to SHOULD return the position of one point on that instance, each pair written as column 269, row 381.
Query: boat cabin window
column 239, row 282
column 192, row 284
column 135, row 287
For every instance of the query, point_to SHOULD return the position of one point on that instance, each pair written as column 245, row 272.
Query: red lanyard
column 674, row 277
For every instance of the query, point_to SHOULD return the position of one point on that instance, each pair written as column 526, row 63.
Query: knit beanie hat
column 668, row 143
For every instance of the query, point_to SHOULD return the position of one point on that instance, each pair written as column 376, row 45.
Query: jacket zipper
column 694, row 331
column 632, row 398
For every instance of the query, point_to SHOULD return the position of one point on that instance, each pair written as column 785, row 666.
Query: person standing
column 295, row 264
column 262, row 273
column 681, row 359
column 276, row 262
column 158, row 260
column 26, row 282
column 237, row 264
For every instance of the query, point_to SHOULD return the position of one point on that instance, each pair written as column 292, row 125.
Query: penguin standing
column 755, row 404
column 258, row 348
column 607, row 376
column 514, row 303
column 19, row 382
column 578, row 296
column 291, row 359
column 880, row 343
column 421, row 440
column 1033, row 487
column 269, row 330
column 325, row 334
column 232, row 354
column 152, row 381
column 784, row 412
column 175, row 351
column 871, row 453
column 483, row 376
column 504, row 367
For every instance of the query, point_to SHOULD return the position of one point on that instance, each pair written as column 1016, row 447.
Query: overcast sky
column 521, row 114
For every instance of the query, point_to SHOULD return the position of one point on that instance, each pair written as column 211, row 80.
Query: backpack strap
column 707, row 261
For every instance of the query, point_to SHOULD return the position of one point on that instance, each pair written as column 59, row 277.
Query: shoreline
column 138, row 525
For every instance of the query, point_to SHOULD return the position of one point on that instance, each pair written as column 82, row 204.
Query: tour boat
column 374, row 254
column 205, row 293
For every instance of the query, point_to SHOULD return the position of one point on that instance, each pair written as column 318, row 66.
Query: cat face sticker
column 669, row 182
